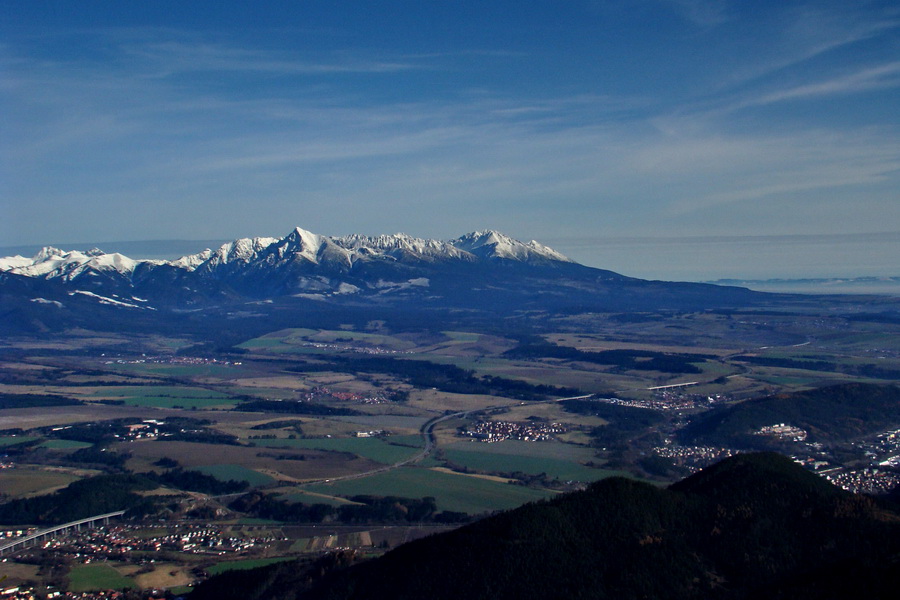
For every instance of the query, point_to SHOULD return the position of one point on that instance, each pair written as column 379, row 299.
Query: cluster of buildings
column 669, row 400
column 783, row 432
column 817, row 464
column 30, row 593
column 865, row 481
column 172, row 360
column 882, row 453
column 119, row 542
column 357, row 349
column 147, row 429
column 883, row 448
column 694, row 458
column 497, row 431
column 368, row 434
column 322, row 392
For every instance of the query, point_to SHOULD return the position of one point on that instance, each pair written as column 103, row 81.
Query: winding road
column 427, row 432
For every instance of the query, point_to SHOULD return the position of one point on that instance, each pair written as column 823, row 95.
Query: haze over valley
column 279, row 398
column 577, row 299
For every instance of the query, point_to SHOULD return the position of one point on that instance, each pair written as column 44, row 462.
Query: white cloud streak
column 133, row 138
column 182, row 57
column 879, row 77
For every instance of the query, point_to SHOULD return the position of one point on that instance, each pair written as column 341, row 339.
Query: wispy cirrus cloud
column 795, row 35
column 705, row 13
column 170, row 57
column 198, row 132
column 866, row 79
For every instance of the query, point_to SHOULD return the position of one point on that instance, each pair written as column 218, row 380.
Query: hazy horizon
column 573, row 123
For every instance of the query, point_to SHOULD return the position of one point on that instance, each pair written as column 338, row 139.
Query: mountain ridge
column 300, row 263
column 483, row 272
column 51, row 262
column 751, row 526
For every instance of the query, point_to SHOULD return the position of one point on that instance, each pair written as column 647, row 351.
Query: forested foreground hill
column 753, row 526
column 830, row 414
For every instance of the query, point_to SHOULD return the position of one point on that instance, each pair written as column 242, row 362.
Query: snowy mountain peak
column 301, row 243
column 300, row 260
column 51, row 263
column 305, row 240
column 244, row 249
column 477, row 239
column 192, row 261
column 240, row 250
column 47, row 252
column 493, row 244
column 14, row 262
column 399, row 245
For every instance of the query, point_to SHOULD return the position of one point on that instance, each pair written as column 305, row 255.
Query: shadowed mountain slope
column 753, row 526
column 484, row 270
column 830, row 414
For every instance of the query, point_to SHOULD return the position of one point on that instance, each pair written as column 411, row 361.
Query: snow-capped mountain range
column 298, row 246
column 482, row 275
column 300, row 262
column 51, row 263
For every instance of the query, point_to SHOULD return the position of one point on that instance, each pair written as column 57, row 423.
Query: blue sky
column 576, row 123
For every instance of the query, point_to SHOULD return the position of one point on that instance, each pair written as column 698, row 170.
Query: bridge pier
column 36, row 537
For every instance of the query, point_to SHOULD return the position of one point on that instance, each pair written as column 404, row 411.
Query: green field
column 166, row 396
column 180, row 370
column 369, row 422
column 260, row 342
column 95, row 577
column 452, row 492
column 23, row 481
column 14, row 440
column 375, row 449
column 489, row 462
column 65, row 445
column 294, row 340
column 548, row 449
column 463, row 336
column 243, row 565
column 236, row 473
column 300, row 545
column 255, row 521
column 308, row 498
column 415, row 441
column 181, row 590
column 263, row 392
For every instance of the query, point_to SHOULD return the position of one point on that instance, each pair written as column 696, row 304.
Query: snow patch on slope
column 55, row 303
column 108, row 301
column 15, row 262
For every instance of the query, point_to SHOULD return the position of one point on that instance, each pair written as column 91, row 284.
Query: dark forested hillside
column 829, row 414
column 753, row 526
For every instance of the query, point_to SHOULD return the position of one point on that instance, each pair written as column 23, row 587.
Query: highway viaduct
column 53, row 531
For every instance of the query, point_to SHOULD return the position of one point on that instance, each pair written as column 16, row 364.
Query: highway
column 44, row 532
column 427, row 432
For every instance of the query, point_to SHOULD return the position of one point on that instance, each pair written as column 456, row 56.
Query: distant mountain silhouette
column 752, row 526
column 485, row 272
